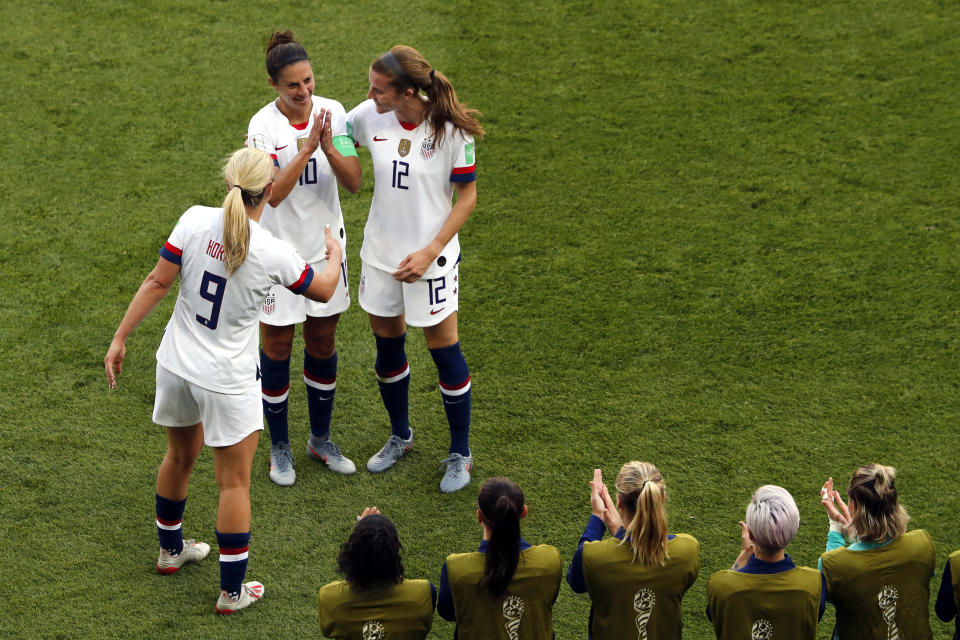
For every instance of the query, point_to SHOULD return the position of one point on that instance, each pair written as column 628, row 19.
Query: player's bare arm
column 151, row 292
column 347, row 169
column 289, row 175
column 416, row 264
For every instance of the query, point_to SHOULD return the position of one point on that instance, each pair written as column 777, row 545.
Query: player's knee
column 320, row 346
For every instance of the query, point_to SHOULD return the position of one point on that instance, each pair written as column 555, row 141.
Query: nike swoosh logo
column 433, row 313
column 283, row 147
column 376, row 139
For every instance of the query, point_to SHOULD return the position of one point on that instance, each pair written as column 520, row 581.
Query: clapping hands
column 602, row 504
column 837, row 510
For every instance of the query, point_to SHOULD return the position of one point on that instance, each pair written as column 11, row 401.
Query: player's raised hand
column 747, row 547
column 837, row 510
column 334, row 252
column 613, row 514
column 597, row 504
column 369, row 511
column 113, row 362
column 312, row 141
column 326, row 130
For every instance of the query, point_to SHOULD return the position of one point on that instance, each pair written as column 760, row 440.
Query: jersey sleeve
column 355, row 126
column 342, row 141
column 259, row 136
column 172, row 249
column 465, row 162
column 285, row 267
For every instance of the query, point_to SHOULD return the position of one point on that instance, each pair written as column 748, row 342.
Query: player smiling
column 307, row 137
column 421, row 141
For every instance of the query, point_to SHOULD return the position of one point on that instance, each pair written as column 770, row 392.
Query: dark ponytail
column 501, row 503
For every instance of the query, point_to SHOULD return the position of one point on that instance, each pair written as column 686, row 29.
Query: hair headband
column 286, row 56
column 390, row 61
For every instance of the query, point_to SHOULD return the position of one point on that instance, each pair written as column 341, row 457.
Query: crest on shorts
column 404, row 147
column 270, row 304
column 426, row 149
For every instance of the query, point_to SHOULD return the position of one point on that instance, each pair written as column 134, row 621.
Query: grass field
column 719, row 236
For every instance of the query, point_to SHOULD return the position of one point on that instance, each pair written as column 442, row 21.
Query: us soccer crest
column 270, row 304
column 403, row 148
column 300, row 143
column 426, row 149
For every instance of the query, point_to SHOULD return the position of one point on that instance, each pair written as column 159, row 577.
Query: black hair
column 370, row 558
column 501, row 503
column 283, row 50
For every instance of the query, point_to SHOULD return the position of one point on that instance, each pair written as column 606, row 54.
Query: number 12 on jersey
column 400, row 171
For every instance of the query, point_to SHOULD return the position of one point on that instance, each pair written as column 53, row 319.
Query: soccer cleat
column 329, row 454
column 250, row 592
column 281, row 465
column 457, row 475
column 192, row 551
column 395, row 449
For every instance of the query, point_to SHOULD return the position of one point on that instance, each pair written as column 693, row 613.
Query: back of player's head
column 772, row 518
column 501, row 503
column 643, row 495
column 247, row 172
column 283, row 50
column 877, row 514
column 370, row 558
column 408, row 69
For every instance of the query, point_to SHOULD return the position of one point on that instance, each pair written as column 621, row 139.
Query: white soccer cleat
column 329, row 454
column 281, row 465
column 192, row 551
column 388, row 455
column 250, row 592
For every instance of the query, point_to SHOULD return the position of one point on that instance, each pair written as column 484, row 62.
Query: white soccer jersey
column 314, row 200
column 211, row 338
column 413, row 186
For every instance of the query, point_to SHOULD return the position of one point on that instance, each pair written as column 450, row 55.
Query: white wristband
column 836, row 526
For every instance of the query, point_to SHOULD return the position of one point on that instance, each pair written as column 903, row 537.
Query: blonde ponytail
column 643, row 495
column 248, row 172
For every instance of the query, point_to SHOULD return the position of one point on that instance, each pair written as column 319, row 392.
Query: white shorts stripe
column 235, row 557
column 455, row 392
column 275, row 399
column 399, row 376
column 167, row 527
column 319, row 385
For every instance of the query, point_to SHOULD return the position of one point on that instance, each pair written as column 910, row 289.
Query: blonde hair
column 442, row 104
column 877, row 516
column 248, row 172
column 643, row 496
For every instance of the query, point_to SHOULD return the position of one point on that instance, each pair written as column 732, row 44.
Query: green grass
column 720, row 236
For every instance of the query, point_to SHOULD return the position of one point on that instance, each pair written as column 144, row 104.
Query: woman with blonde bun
column 636, row 578
column 208, row 388
column 877, row 573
